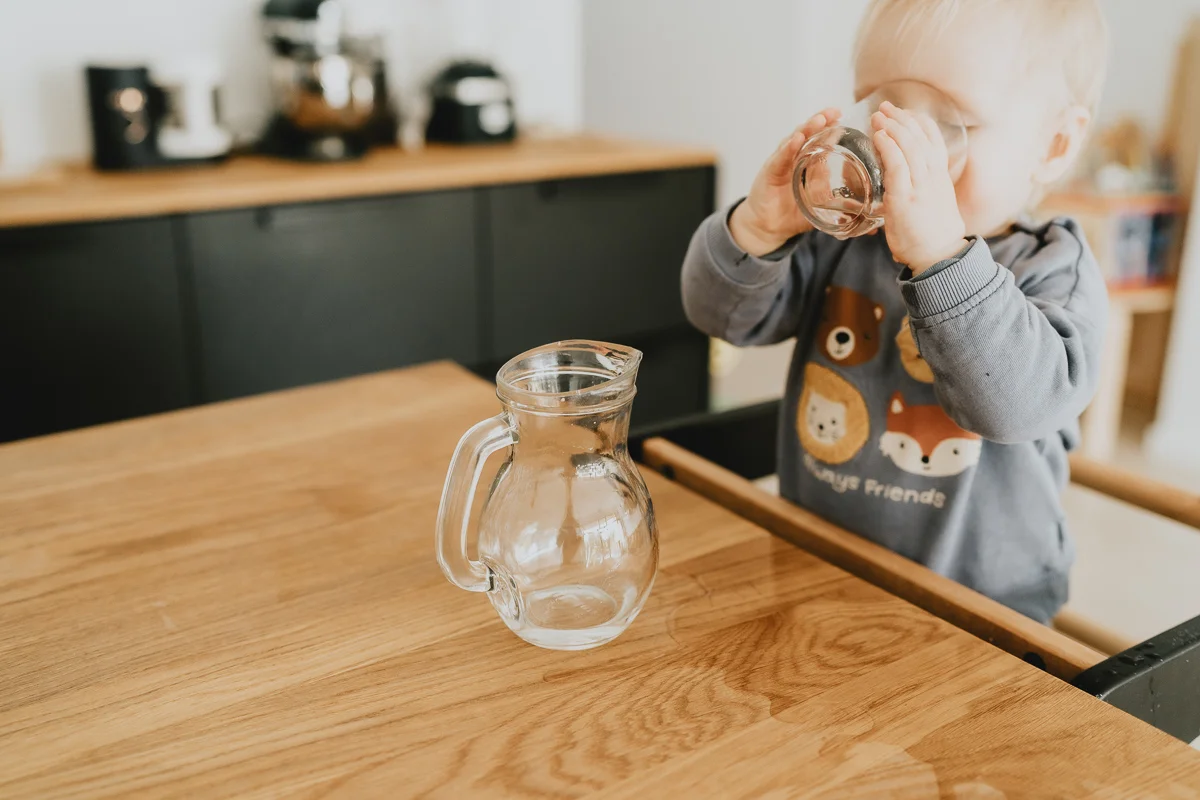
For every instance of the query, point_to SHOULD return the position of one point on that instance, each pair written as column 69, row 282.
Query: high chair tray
column 720, row 455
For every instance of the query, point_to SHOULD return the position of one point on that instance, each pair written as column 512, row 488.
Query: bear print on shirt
column 832, row 419
column 924, row 440
column 849, row 330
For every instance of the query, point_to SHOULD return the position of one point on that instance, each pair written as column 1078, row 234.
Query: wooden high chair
column 1158, row 681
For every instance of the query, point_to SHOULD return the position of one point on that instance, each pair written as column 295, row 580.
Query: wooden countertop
column 77, row 194
column 242, row 601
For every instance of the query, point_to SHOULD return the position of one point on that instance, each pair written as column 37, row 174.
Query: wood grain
column 242, row 601
column 81, row 194
column 940, row 596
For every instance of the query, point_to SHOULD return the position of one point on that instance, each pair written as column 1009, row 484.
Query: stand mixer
column 329, row 91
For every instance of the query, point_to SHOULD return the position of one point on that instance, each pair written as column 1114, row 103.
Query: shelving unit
column 1102, row 422
column 1140, row 283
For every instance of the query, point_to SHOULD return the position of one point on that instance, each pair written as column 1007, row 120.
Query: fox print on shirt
column 924, row 440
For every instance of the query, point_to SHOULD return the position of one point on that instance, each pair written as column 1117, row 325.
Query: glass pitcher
column 568, row 547
column 837, row 179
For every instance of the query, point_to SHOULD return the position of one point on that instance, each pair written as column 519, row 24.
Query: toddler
column 941, row 365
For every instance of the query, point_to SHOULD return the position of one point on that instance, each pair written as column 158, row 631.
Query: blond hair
column 1070, row 35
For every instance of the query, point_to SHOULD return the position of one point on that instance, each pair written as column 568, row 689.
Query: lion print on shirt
column 910, row 356
column 832, row 418
column 924, row 440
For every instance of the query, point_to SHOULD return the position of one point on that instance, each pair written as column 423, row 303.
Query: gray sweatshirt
column 932, row 414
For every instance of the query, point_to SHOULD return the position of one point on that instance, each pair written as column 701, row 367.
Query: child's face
column 1009, row 112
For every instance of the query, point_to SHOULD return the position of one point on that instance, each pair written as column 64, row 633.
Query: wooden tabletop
column 242, row 601
column 77, row 194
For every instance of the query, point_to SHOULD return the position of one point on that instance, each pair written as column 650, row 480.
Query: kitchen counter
column 242, row 600
column 77, row 194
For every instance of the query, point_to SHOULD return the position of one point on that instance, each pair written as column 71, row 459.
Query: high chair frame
column 1158, row 681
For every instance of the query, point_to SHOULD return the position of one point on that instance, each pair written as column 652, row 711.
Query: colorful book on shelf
column 1132, row 236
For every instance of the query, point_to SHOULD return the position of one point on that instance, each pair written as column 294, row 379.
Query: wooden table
column 242, row 601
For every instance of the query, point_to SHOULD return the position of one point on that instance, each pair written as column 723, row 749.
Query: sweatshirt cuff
column 948, row 285
column 736, row 264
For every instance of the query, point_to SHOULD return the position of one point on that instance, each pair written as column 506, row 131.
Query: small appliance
column 143, row 117
column 329, row 91
column 471, row 103
column 190, row 128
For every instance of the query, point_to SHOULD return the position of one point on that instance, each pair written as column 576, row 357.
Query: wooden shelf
column 1097, row 203
column 78, row 193
column 1143, row 299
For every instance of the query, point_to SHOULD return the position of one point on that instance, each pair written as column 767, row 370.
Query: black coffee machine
column 330, row 91
column 142, row 118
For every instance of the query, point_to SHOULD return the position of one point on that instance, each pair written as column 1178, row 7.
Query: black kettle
column 470, row 103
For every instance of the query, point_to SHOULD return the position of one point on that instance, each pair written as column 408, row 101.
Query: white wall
column 1142, row 57
column 736, row 77
column 706, row 72
column 44, row 45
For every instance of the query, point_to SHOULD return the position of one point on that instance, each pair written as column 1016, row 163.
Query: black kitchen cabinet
column 107, row 321
column 594, row 258
column 293, row 295
column 91, row 328
column 673, row 378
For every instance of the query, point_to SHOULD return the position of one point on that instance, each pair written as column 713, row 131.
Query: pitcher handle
column 454, row 514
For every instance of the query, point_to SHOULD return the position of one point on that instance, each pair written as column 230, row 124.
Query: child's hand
column 920, row 212
column 769, row 216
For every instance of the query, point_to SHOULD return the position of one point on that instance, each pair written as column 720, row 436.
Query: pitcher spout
column 570, row 378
